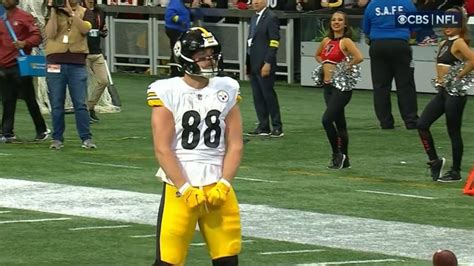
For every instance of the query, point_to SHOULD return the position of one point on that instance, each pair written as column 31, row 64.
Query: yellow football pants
column 220, row 227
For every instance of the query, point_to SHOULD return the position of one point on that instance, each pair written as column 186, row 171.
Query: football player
column 197, row 134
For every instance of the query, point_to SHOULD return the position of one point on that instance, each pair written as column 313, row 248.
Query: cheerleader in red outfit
column 332, row 50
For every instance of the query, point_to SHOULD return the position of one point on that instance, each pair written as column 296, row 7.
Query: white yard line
column 143, row 236
column 258, row 221
column 98, row 227
column 34, row 220
column 291, row 251
column 4, row 154
column 4, row 212
column 255, row 179
column 396, row 194
column 349, row 262
column 112, row 165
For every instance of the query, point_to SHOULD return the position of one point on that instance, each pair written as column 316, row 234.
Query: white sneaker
column 88, row 144
column 56, row 145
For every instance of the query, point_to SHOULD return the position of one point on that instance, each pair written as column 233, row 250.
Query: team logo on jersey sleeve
column 223, row 96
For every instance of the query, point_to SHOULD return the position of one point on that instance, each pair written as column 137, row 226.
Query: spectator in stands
column 302, row 5
column 224, row 4
column 362, row 3
column 11, row 83
column 177, row 21
column 391, row 58
column 338, row 3
column 425, row 36
column 448, row 4
column 66, row 51
column 469, row 6
column 95, row 60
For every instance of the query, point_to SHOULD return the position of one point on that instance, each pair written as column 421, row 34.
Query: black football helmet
column 190, row 42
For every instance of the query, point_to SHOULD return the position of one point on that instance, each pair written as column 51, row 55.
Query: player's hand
column 218, row 194
column 193, row 197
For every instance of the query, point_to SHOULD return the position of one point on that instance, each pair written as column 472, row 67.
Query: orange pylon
column 469, row 187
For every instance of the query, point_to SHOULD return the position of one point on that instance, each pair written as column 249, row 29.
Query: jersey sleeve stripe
column 154, row 102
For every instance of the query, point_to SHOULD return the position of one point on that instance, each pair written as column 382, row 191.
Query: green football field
column 98, row 207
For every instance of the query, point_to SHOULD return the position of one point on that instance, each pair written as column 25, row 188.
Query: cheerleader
column 332, row 50
column 450, row 100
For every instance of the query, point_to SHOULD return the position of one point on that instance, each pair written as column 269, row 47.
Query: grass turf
column 297, row 161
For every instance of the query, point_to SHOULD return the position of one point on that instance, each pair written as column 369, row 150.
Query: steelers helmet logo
column 177, row 49
column 223, row 96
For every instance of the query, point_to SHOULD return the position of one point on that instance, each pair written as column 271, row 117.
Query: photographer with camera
column 66, row 52
column 11, row 83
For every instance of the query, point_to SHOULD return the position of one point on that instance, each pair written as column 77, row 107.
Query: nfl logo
column 199, row 96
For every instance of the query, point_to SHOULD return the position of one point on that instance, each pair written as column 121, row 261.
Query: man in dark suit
column 263, row 42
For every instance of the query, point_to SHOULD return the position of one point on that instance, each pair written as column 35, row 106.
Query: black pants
column 11, row 85
column 453, row 107
column 391, row 59
column 173, row 36
column 265, row 101
column 334, row 119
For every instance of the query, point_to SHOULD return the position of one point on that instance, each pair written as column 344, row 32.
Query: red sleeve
column 31, row 34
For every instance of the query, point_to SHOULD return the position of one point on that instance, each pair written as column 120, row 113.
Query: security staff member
column 263, row 42
column 390, row 57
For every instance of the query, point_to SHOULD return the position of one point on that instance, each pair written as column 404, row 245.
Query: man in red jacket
column 11, row 83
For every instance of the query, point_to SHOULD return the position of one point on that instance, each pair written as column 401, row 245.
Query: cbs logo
column 402, row 19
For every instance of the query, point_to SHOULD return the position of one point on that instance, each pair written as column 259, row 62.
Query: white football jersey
column 199, row 116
